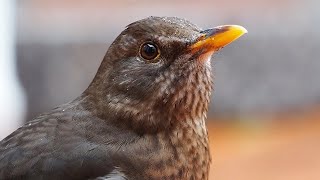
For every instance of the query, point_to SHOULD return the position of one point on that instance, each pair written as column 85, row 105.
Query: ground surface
column 283, row 147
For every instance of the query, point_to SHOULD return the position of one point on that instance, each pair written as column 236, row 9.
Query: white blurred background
column 12, row 100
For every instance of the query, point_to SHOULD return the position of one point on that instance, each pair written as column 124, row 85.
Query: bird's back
column 62, row 144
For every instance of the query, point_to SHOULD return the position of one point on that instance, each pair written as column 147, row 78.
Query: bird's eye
column 149, row 51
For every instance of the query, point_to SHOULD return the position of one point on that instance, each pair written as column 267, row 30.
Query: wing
column 53, row 147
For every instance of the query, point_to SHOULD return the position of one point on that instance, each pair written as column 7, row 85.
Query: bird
column 141, row 118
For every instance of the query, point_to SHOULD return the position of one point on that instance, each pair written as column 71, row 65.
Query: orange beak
column 214, row 39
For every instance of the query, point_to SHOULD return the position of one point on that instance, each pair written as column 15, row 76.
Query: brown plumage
column 142, row 117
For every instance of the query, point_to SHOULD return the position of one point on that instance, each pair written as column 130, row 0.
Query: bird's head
column 158, row 71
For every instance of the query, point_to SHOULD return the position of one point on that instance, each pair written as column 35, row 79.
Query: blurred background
column 264, row 121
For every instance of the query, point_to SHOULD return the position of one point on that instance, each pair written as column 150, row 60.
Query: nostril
column 208, row 32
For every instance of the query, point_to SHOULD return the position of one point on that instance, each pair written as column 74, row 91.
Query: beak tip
column 238, row 28
column 245, row 31
column 231, row 33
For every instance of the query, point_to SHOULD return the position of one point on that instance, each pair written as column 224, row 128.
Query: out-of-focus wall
column 273, row 68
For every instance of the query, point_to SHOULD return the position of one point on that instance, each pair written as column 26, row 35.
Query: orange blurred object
column 282, row 147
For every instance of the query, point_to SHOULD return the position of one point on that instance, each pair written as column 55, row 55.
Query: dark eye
column 149, row 51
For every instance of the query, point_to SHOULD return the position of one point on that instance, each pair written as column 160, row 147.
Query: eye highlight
column 149, row 51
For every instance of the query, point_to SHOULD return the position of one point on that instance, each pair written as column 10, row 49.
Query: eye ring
column 149, row 51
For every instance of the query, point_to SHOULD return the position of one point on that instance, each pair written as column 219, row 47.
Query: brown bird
column 142, row 117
